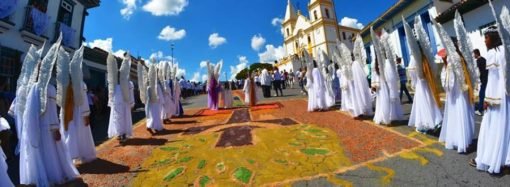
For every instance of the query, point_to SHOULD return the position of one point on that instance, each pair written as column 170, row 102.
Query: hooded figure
column 250, row 95
column 77, row 133
column 120, row 98
column 494, row 138
column 425, row 114
column 44, row 158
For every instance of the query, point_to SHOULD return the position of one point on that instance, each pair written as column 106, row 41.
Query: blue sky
column 202, row 30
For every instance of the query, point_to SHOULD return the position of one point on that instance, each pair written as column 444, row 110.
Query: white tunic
column 153, row 110
column 382, row 103
column 227, row 98
column 247, row 89
column 425, row 114
column 459, row 121
column 330, row 93
column 393, row 82
column 120, row 114
column 169, row 105
column 43, row 161
column 78, row 138
column 494, row 138
column 4, row 178
column 316, row 93
column 361, row 98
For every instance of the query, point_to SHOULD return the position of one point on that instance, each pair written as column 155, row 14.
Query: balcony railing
column 68, row 34
column 36, row 21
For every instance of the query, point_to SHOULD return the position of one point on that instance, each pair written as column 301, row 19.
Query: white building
column 318, row 32
column 35, row 21
column 476, row 14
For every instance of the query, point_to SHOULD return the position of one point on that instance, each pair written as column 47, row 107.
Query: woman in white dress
column 227, row 95
column 361, row 97
column 4, row 177
column 154, row 94
column 425, row 113
column 319, row 102
column 494, row 139
column 458, row 123
column 120, row 99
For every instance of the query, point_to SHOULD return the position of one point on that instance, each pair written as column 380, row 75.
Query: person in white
column 425, row 113
column 265, row 81
column 153, row 101
column 494, row 139
column 250, row 95
column 227, row 95
column 385, row 82
column 316, row 89
column 120, row 98
column 44, row 158
column 4, row 177
column 77, row 133
column 360, row 95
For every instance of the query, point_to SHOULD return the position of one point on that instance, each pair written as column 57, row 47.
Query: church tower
column 323, row 17
column 290, row 20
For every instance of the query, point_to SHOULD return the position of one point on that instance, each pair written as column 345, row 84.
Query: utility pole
column 172, row 49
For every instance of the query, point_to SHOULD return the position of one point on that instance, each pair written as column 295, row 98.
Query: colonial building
column 26, row 22
column 318, row 32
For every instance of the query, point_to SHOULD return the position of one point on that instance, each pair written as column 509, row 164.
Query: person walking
column 481, row 63
column 403, row 80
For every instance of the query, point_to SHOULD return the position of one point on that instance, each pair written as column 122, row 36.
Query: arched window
column 327, row 13
column 315, row 14
column 309, row 40
column 288, row 32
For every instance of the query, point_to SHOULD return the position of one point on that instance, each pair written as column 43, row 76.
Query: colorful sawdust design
column 253, row 165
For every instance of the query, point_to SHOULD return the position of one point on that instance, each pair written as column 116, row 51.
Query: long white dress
column 43, row 161
column 393, row 82
column 246, row 90
column 120, row 115
column 459, row 121
column 4, row 177
column 382, row 103
column 361, row 98
column 227, row 98
column 153, row 110
column 78, row 138
column 425, row 114
column 177, row 97
column 330, row 93
column 169, row 105
column 494, row 138
column 318, row 100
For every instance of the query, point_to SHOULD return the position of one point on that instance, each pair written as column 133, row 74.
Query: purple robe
column 213, row 94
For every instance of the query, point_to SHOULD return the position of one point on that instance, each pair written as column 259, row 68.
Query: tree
column 243, row 74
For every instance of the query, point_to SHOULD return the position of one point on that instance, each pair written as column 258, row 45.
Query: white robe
column 120, row 114
column 153, row 110
column 4, row 177
column 330, row 93
column 316, row 93
column 360, row 95
column 494, row 138
column 78, row 137
column 169, row 105
column 227, row 98
column 177, row 96
column 393, row 81
column 425, row 114
column 459, row 121
column 382, row 103
column 43, row 161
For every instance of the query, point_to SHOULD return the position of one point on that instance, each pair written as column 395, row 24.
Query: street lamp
column 172, row 49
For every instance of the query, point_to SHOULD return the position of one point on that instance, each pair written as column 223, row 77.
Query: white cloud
column 129, row 8
column 106, row 45
column 234, row 70
column 181, row 72
column 165, row 7
column 351, row 22
column 203, row 64
column 216, row 40
column 196, row 77
column 169, row 33
column 277, row 21
column 257, row 41
column 204, row 78
column 271, row 54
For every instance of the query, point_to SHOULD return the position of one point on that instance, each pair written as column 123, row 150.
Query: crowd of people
column 444, row 97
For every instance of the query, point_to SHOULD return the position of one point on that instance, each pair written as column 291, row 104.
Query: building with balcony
column 318, row 32
column 26, row 22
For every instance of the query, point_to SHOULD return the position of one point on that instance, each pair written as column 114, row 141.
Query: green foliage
column 204, row 180
column 174, row 173
column 243, row 74
column 243, row 175
column 201, row 164
column 314, row 151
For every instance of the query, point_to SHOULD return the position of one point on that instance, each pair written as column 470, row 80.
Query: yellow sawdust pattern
column 414, row 156
column 340, row 182
column 390, row 173
column 275, row 159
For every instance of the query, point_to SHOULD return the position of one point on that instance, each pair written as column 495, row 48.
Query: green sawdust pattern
column 278, row 154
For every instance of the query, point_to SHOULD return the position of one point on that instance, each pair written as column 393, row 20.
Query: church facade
column 317, row 32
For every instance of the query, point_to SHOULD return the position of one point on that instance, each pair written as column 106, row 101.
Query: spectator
column 403, row 80
column 484, row 73
column 277, row 79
